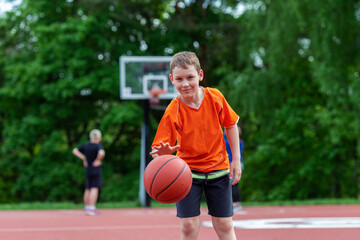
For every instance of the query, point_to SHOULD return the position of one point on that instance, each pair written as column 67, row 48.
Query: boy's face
column 186, row 80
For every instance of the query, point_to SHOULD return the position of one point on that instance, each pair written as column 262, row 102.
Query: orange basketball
column 167, row 179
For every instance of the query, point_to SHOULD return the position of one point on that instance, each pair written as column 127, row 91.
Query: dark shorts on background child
column 93, row 178
column 217, row 192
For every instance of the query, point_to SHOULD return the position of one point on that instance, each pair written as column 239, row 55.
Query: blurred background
column 290, row 69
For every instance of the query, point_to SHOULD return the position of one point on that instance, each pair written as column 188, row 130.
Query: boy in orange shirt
column 193, row 122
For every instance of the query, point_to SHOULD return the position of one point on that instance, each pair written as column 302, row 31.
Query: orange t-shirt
column 198, row 131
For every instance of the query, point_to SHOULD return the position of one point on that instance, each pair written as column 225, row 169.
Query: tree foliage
column 289, row 68
column 296, row 89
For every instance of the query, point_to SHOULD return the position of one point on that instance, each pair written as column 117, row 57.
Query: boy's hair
column 184, row 60
column 95, row 134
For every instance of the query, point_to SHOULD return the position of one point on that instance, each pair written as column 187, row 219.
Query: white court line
column 94, row 228
column 278, row 223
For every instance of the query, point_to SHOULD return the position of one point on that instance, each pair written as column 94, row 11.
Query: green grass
column 63, row 205
column 135, row 204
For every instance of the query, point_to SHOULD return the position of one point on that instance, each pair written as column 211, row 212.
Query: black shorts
column 218, row 197
column 93, row 178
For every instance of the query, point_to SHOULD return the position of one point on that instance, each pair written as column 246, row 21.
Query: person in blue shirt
column 236, row 193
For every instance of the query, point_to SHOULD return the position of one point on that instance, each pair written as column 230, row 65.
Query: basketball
column 167, row 179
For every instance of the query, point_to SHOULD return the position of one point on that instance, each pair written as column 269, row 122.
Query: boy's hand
column 163, row 149
column 235, row 172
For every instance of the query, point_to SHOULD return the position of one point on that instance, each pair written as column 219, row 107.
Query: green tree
column 296, row 90
column 289, row 68
column 60, row 76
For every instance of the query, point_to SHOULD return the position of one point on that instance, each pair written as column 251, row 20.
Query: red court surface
column 335, row 222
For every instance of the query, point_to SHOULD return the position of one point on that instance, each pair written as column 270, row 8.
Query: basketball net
column 155, row 93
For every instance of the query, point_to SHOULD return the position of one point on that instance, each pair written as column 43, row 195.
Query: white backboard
column 139, row 74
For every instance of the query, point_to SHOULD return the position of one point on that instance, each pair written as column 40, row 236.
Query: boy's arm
column 98, row 161
column 232, row 134
column 79, row 154
column 166, row 133
column 162, row 149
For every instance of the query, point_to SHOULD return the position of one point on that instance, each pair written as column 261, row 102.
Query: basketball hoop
column 155, row 93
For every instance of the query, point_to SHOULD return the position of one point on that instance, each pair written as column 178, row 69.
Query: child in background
column 91, row 153
column 193, row 121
